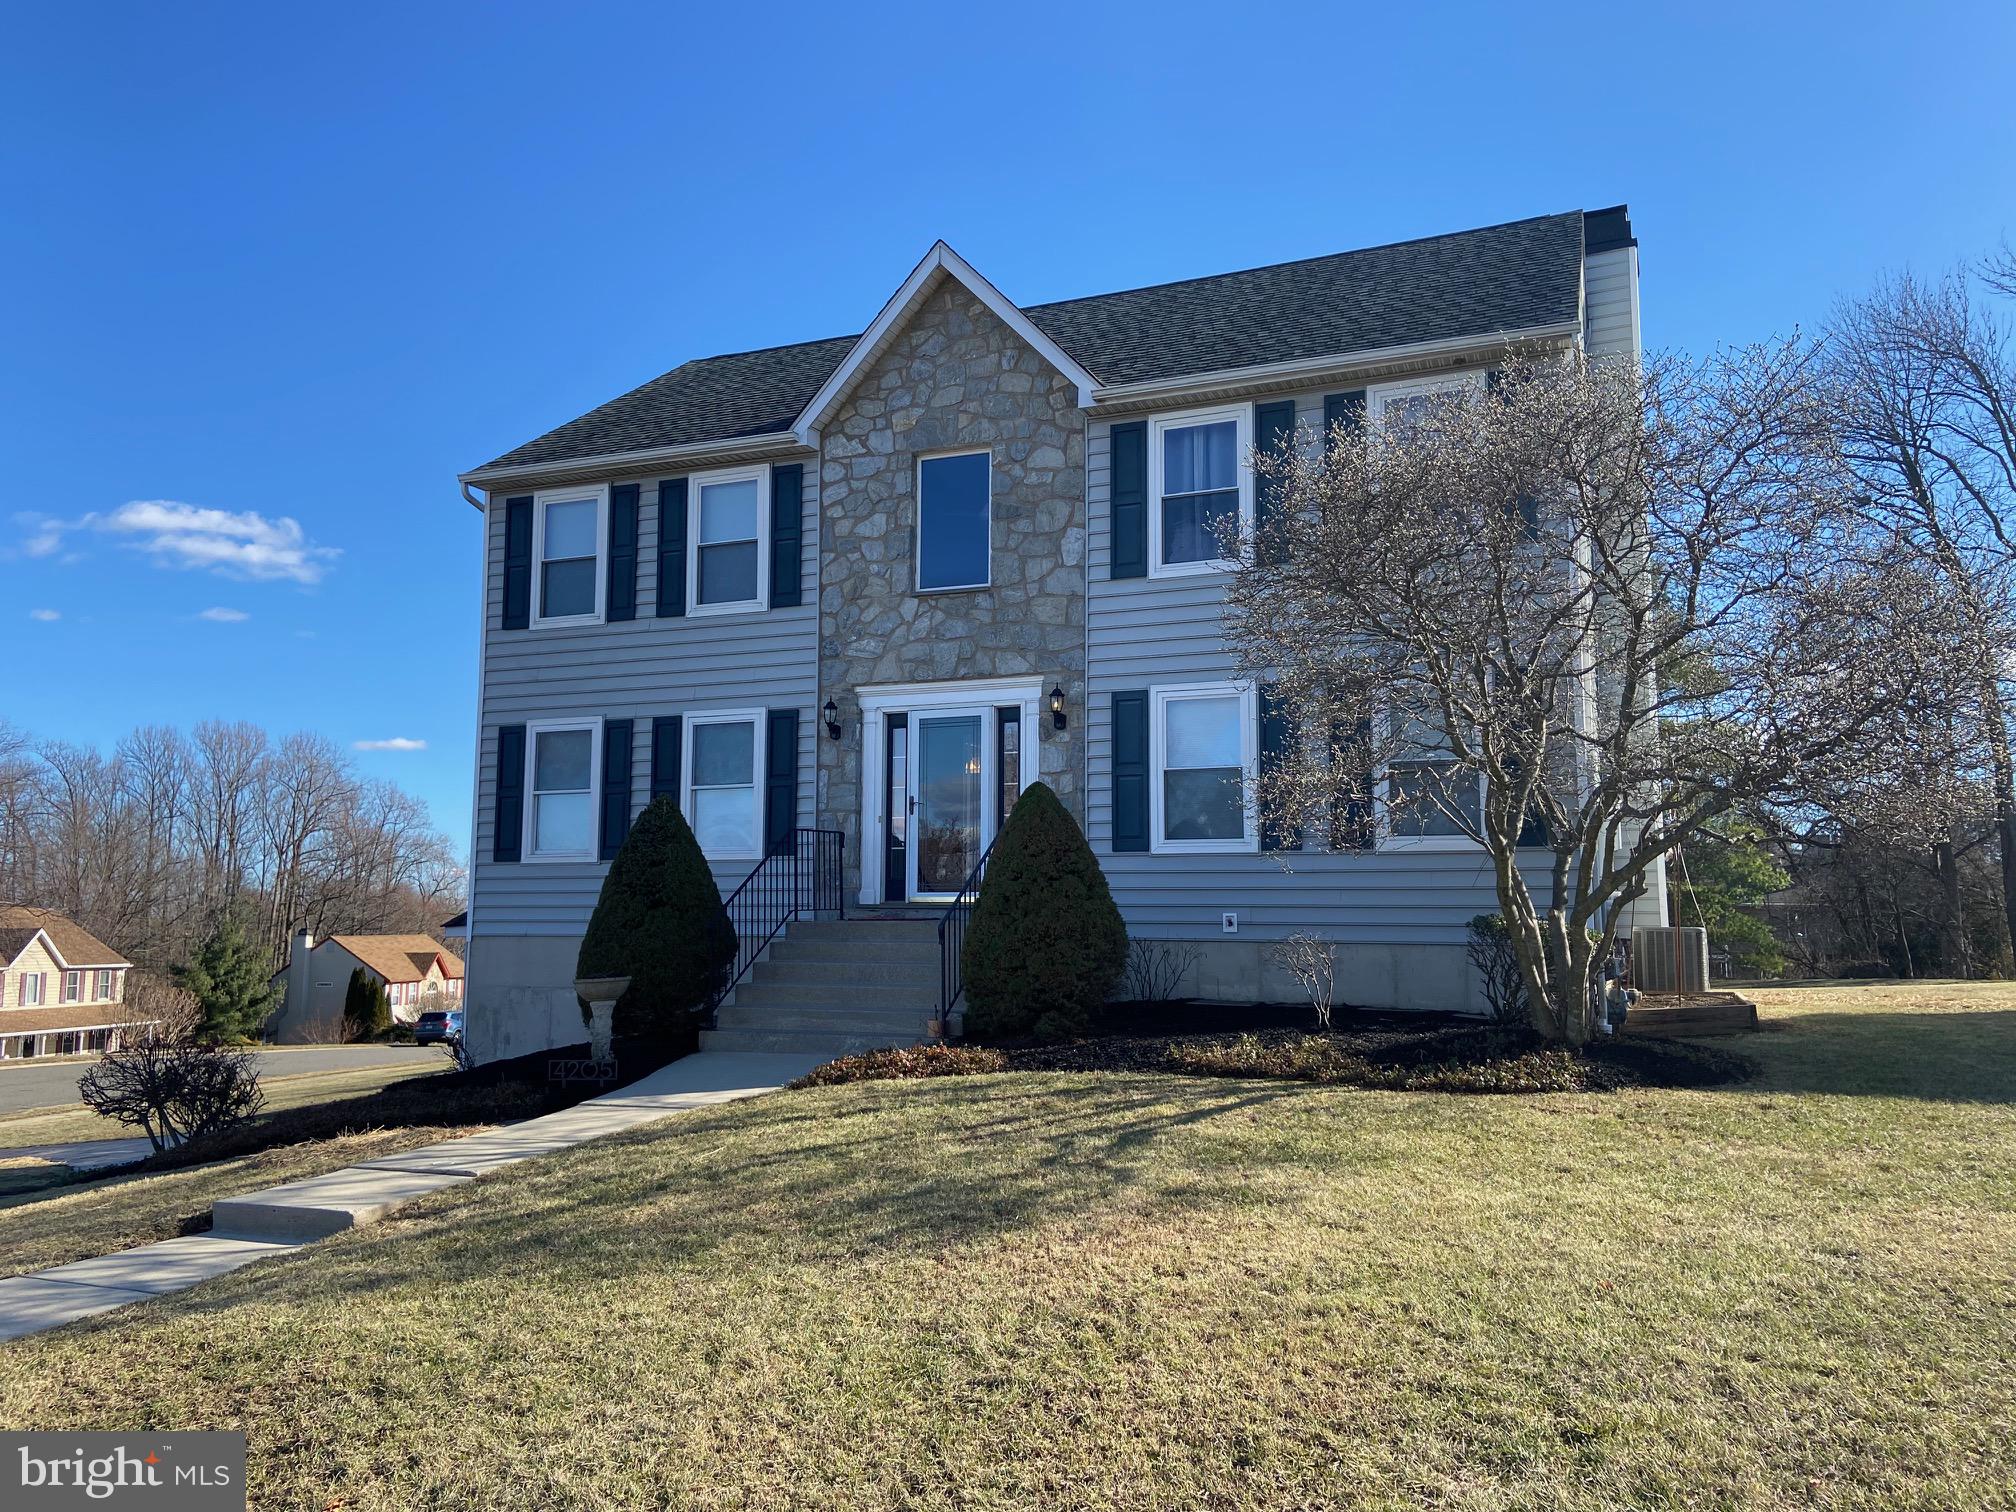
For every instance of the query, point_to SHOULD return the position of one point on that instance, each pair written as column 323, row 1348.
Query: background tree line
column 152, row 846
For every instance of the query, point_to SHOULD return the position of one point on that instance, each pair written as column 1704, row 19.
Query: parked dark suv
column 441, row 1028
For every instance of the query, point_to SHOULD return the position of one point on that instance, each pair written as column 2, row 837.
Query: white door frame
column 878, row 701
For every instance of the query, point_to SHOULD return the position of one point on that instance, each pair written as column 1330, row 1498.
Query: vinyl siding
column 1610, row 303
column 636, row 669
column 1149, row 632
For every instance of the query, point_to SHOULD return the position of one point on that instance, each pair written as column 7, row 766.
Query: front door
column 950, row 775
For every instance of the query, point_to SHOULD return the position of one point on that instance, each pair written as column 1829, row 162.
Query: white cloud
column 243, row 545
column 396, row 743
column 45, row 614
column 224, row 616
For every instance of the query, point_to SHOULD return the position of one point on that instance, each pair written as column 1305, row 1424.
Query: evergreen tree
column 367, row 1006
column 1722, row 873
column 659, row 921
column 231, row 979
column 1046, row 942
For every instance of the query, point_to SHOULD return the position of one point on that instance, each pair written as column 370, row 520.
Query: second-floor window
column 569, row 549
column 952, row 521
column 104, row 986
column 73, row 986
column 28, row 994
column 730, row 515
column 1200, row 486
column 561, row 813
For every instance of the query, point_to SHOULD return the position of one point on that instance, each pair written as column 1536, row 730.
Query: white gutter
column 653, row 457
column 1288, row 373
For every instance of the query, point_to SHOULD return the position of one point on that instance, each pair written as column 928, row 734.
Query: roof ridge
column 1296, row 262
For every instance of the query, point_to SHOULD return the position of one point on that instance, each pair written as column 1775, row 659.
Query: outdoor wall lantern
column 832, row 713
column 1057, row 706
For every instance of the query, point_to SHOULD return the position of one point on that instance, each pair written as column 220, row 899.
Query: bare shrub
column 1156, row 968
column 1491, row 952
column 1312, row 961
column 169, row 1084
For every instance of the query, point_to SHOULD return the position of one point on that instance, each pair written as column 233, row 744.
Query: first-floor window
column 1203, row 748
column 561, row 814
column 29, row 993
column 723, row 757
column 73, row 986
column 1429, row 799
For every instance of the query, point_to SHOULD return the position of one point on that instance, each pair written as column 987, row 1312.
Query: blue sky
column 275, row 274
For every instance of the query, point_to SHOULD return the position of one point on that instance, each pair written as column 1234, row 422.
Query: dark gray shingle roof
column 1466, row 283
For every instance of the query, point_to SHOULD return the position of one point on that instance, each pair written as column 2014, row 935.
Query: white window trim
column 758, row 756
column 67, row 993
column 1376, row 397
column 1242, row 415
column 987, row 581
column 694, row 485
column 529, row 833
column 600, row 494
column 41, row 981
column 1249, row 760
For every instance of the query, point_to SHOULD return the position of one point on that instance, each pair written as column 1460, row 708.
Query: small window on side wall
column 568, row 535
column 953, row 525
column 730, row 516
column 562, row 763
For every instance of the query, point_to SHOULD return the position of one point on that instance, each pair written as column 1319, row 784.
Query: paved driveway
column 54, row 1084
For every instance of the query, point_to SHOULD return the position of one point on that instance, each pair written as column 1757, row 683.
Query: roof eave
column 1301, row 372
column 578, row 469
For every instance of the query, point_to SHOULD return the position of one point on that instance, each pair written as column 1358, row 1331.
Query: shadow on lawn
column 1959, row 1057
column 813, row 1179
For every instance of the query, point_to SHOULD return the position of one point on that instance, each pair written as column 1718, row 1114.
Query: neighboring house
column 455, row 932
column 877, row 584
column 415, row 969
column 62, row 989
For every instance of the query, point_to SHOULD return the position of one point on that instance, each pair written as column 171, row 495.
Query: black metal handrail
column 801, row 877
column 952, row 942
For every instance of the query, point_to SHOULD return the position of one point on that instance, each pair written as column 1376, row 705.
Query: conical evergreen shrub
column 1046, row 942
column 659, row 922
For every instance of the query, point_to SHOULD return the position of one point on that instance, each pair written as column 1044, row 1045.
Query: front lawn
column 1154, row 1291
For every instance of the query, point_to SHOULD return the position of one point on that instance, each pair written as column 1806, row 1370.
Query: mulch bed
column 1386, row 1051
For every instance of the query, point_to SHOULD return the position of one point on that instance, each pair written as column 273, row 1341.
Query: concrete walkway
column 283, row 1218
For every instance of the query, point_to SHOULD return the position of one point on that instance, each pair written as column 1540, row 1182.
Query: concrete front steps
column 834, row 987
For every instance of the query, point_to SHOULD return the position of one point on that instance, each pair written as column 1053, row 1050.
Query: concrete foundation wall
column 1416, row 978
column 521, row 994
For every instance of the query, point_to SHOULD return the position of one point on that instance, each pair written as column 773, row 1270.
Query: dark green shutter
column 671, row 548
column 1347, row 408
column 616, row 734
column 517, row 564
column 1351, row 817
column 620, row 602
column 1128, row 501
column 665, row 736
column 1273, row 430
column 507, row 813
column 1130, row 771
column 1275, row 736
column 787, row 534
column 780, row 781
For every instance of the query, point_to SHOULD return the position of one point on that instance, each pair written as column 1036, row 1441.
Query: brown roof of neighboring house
column 76, row 945
column 48, row 1020
column 399, row 958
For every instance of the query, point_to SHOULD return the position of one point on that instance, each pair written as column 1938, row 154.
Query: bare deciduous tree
column 1572, row 617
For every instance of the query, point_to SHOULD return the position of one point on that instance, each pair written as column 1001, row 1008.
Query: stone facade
column 954, row 377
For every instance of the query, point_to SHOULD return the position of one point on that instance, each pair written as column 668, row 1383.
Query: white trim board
column 940, row 260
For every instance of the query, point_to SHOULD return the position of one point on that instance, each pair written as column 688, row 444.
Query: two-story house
column 62, row 989
column 876, row 584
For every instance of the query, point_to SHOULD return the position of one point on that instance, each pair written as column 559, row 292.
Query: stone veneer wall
column 955, row 377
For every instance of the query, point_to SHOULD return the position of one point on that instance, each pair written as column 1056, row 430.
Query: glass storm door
column 950, row 782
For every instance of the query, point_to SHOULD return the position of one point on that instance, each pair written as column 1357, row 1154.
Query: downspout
column 476, row 761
